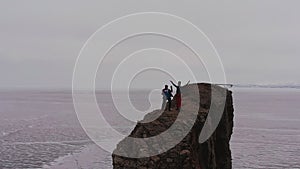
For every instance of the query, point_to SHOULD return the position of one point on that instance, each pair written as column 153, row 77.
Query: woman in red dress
column 177, row 96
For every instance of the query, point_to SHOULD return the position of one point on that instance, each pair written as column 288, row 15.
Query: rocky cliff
column 214, row 153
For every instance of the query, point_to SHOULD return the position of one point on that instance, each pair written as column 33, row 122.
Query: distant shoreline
column 69, row 90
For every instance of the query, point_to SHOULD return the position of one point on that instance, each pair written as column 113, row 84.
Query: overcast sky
column 258, row 41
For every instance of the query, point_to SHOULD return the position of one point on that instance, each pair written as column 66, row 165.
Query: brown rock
column 189, row 153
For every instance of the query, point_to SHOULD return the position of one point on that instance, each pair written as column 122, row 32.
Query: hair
column 179, row 83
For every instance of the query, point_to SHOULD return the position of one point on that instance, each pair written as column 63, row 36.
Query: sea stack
column 214, row 153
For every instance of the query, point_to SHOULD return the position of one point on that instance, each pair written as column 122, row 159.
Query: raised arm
column 171, row 91
column 187, row 83
column 173, row 83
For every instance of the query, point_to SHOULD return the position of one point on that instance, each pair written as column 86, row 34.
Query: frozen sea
column 40, row 129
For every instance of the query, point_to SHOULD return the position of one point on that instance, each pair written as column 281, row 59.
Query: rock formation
column 188, row 153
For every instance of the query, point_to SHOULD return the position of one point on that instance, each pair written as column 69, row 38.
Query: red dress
column 178, row 100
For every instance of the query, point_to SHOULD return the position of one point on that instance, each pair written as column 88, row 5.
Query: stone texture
column 189, row 153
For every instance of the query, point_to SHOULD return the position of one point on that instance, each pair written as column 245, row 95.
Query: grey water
column 40, row 129
column 267, row 129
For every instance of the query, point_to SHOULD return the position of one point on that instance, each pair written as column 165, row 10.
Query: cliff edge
column 188, row 153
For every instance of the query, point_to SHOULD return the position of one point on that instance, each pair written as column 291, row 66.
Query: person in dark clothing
column 167, row 95
column 177, row 96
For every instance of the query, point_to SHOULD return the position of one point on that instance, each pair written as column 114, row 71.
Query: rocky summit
column 188, row 153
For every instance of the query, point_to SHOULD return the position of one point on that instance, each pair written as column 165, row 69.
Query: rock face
column 188, row 153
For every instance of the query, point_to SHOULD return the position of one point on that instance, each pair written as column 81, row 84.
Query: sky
column 257, row 41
